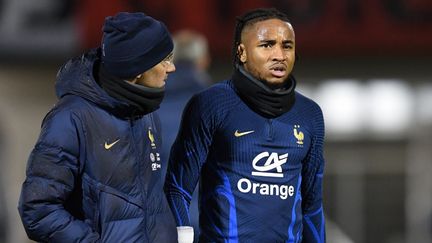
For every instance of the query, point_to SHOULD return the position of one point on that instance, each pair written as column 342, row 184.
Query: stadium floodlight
column 389, row 108
column 343, row 105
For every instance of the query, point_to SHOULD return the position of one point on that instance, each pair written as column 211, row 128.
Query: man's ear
column 241, row 53
column 134, row 80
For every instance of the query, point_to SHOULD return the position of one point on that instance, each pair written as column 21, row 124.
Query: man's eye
column 266, row 45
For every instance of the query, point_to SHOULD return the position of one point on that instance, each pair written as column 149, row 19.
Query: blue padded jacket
column 95, row 172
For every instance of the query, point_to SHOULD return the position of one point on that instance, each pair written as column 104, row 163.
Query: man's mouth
column 278, row 70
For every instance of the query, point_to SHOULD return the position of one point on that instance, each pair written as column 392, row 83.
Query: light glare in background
column 377, row 108
column 389, row 105
column 342, row 105
column 424, row 104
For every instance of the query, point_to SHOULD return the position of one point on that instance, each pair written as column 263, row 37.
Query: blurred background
column 367, row 63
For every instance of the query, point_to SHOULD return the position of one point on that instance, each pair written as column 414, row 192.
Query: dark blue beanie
column 132, row 43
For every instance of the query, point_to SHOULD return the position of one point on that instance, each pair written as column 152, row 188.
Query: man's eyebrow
column 288, row 42
column 270, row 41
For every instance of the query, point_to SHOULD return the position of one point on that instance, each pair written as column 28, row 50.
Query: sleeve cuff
column 185, row 234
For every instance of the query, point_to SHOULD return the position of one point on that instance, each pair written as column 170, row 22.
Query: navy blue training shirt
column 260, row 179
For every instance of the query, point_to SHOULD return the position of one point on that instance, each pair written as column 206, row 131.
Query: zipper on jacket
column 140, row 176
column 269, row 129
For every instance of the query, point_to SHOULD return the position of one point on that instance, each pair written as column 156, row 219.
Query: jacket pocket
column 91, row 202
column 121, row 220
column 116, row 216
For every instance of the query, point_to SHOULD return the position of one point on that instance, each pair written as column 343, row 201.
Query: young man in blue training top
column 255, row 145
column 95, row 172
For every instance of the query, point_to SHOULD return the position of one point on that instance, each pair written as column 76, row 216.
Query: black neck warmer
column 142, row 100
column 260, row 97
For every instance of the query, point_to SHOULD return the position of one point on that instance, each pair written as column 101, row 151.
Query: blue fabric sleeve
column 51, row 174
column 312, row 174
column 187, row 157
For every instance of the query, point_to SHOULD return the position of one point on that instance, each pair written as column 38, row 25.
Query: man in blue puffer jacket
column 95, row 172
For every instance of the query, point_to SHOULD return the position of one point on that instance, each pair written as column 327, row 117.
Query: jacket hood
column 76, row 78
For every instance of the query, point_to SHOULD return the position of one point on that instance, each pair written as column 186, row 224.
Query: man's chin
column 276, row 82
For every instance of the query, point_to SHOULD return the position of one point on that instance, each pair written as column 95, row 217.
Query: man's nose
column 278, row 53
column 171, row 68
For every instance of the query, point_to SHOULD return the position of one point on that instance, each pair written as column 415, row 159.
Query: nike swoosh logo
column 108, row 146
column 239, row 134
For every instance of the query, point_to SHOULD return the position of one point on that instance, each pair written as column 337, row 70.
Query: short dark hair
column 249, row 18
